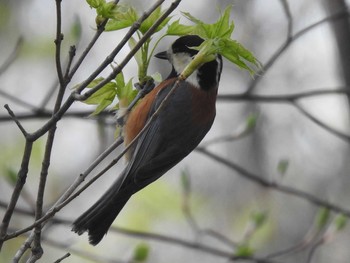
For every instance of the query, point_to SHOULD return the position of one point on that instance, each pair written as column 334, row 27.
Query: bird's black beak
column 162, row 55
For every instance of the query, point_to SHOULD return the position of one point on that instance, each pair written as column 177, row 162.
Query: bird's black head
column 180, row 55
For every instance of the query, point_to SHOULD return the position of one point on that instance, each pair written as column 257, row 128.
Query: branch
column 12, row 57
column 293, row 99
column 159, row 238
column 288, row 42
column 275, row 186
column 22, row 176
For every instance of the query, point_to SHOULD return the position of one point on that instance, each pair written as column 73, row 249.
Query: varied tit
column 179, row 127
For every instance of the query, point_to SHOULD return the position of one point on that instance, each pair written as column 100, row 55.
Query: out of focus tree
column 268, row 184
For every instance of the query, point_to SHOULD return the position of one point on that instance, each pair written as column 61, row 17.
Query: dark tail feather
column 98, row 218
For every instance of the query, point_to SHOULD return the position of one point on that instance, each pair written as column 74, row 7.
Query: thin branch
column 273, row 185
column 12, row 57
column 288, row 42
column 158, row 238
column 281, row 98
column 132, row 52
column 289, row 17
column 71, row 99
column 67, row 255
column 14, row 118
column 47, row 114
column 100, row 30
column 18, row 101
column 22, row 176
column 37, row 250
column 58, row 42
column 328, row 128
column 293, row 99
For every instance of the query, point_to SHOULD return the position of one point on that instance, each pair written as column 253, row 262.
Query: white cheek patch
column 180, row 61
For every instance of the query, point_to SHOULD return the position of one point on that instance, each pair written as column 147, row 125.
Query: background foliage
column 268, row 184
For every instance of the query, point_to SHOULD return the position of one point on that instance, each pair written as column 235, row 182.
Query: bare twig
column 130, row 55
column 67, row 255
column 293, row 100
column 273, row 185
column 14, row 118
column 289, row 17
column 288, row 42
column 328, row 128
column 22, row 176
column 12, row 57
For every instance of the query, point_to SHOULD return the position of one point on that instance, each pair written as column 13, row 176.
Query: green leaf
column 126, row 94
column 322, row 218
column 244, row 251
column 185, row 181
column 103, row 97
column 236, row 53
column 223, row 28
column 106, row 10
column 220, row 35
column 340, row 222
column 177, row 29
column 108, row 91
column 100, row 107
column 122, row 16
column 141, row 252
column 95, row 3
column 11, row 176
column 93, row 83
column 138, row 55
column 75, row 30
column 119, row 79
column 156, row 14
column 251, row 122
column 282, row 166
column 259, row 218
column 192, row 18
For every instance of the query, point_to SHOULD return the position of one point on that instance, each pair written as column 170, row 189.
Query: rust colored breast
column 203, row 105
column 140, row 113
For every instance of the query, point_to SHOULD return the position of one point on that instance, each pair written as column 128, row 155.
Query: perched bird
column 179, row 127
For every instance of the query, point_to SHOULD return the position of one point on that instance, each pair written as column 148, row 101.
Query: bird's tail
column 98, row 218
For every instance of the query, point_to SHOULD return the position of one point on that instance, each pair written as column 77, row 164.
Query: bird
column 175, row 132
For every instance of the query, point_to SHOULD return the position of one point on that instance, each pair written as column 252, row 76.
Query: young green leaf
column 236, row 53
column 251, row 122
column 322, row 218
column 103, row 97
column 119, row 79
column 11, row 176
column 106, row 10
column 75, row 30
column 95, row 3
column 340, row 222
column 244, row 250
column 259, row 218
column 177, row 29
column 126, row 94
column 186, row 182
column 223, row 28
column 141, row 252
column 282, row 166
column 122, row 16
column 156, row 14
column 138, row 56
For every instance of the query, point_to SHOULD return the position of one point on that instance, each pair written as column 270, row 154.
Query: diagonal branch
column 273, row 185
column 288, row 42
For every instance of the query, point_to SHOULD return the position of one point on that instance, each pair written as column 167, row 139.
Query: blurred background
column 281, row 144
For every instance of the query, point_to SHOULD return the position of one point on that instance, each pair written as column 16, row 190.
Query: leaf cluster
column 217, row 40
